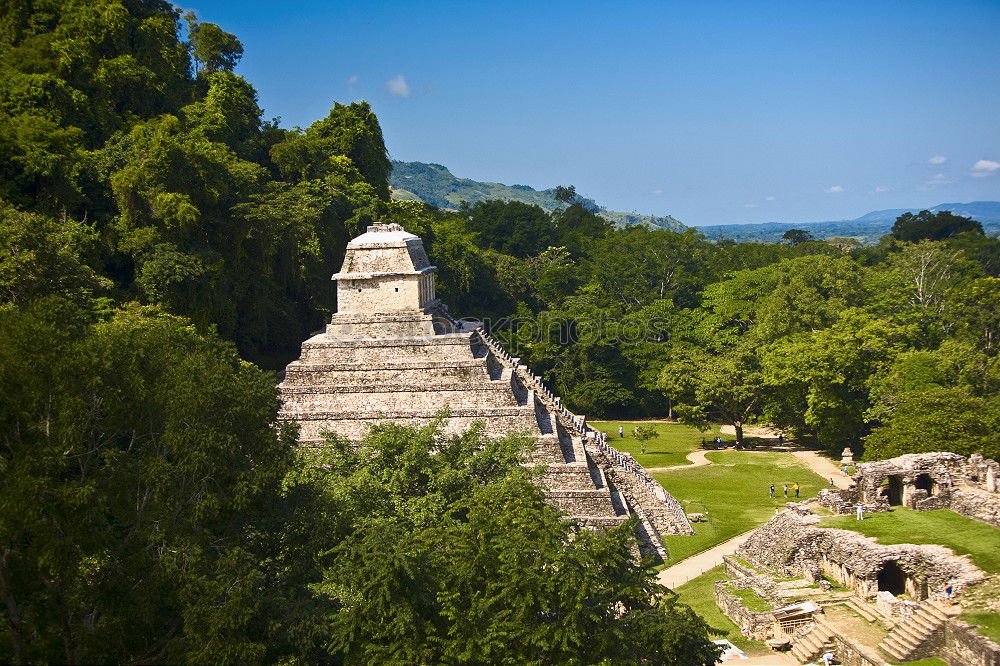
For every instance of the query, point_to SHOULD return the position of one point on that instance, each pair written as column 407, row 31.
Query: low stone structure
column 898, row 593
column 924, row 481
column 393, row 352
column 792, row 545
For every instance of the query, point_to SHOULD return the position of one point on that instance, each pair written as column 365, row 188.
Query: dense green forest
column 163, row 248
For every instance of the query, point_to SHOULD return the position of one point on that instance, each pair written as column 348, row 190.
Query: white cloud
column 750, row 205
column 880, row 189
column 836, row 189
column 937, row 159
column 397, row 85
column 938, row 179
column 985, row 168
column 352, row 79
column 770, row 198
column 657, row 191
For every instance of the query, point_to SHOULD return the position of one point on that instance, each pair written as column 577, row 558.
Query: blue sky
column 714, row 112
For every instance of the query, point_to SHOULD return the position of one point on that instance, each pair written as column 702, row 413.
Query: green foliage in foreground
column 141, row 473
column 448, row 553
column 734, row 492
column 150, row 511
column 947, row 528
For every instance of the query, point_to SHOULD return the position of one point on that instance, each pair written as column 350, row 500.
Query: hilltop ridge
column 437, row 185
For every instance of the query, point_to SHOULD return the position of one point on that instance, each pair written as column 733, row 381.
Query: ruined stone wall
column 964, row 645
column 759, row 626
column 968, row 486
column 849, row 654
column 976, row 504
column 792, row 545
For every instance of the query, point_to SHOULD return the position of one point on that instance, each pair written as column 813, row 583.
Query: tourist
column 621, row 432
column 784, row 488
column 772, row 490
column 831, row 482
column 781, row 439
column 845, row 470
column 827, row 659
column 796, row 486
column 859, row 511
column 948, row 591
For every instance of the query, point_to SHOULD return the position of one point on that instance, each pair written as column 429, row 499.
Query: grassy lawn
column 963, row 535
column 670, row 448
column 987, row 623
column 699, row 594
column 733, row 490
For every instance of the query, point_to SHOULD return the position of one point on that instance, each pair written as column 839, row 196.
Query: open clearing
column 733, row 492
column 669, row 449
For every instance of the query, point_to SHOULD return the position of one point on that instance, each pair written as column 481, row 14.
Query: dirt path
column 697, row 459
column 824, row 467
column 696, row 565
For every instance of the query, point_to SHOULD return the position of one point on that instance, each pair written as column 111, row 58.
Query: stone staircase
column 904, row 642
column 812, row 645
column 862, row 609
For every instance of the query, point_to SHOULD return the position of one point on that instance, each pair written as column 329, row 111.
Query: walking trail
column 696, row 565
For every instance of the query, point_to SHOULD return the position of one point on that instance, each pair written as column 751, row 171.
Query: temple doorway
column 891, row 578
column 894, row 490
column 925, row 482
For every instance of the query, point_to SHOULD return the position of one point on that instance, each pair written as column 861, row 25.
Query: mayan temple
column 393, row 352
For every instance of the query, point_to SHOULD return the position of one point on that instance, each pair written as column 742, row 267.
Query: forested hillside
column 436, row 185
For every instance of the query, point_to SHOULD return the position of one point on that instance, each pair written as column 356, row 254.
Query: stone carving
column 394, row 352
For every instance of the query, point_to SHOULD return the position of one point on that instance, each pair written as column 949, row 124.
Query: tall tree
column 926, row 225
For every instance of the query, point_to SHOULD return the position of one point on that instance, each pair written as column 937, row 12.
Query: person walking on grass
column 621, row 432
column 796, row 486
column 784, row 489
column 772, row 491
column 859, row 511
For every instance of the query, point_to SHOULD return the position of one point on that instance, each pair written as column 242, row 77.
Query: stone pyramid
column 392, row 352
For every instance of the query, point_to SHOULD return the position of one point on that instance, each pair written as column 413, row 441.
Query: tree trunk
column 670, row 409
column 739, row 431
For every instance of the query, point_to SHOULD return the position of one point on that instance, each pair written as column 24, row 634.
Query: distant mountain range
column 436, row 185
column 868, row 228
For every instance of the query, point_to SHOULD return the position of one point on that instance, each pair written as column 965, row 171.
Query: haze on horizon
column 716, row 113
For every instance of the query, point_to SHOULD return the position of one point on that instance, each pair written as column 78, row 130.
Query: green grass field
column 670, row 448
column 734, row 493
column 699, row 594
column 963, row 535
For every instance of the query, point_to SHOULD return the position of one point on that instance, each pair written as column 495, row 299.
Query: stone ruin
column 839, row 591
column 393, row 352
column 791, row 544
column 924, row 481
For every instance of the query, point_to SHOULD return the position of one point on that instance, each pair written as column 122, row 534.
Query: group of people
column 784, row 488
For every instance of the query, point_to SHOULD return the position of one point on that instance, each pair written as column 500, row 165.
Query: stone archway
column 891, row 578
column 893, row 489
column 925, row 482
